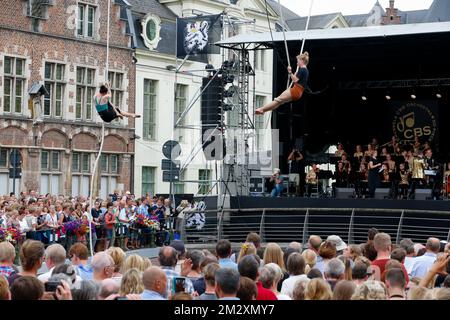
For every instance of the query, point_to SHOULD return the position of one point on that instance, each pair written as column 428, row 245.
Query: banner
column 415, row 119
column 196, row 37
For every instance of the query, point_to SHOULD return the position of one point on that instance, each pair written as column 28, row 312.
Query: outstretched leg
column 282, row 99
column 122, row 114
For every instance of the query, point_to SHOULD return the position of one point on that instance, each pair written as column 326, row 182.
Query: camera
column 51, row 286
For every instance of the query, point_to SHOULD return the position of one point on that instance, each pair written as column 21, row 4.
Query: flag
column 196, row 37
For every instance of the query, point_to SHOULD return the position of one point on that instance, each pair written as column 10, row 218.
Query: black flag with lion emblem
column 196, row 37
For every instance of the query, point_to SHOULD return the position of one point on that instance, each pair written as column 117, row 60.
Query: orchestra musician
column 417, row 174
column 369, row 151
column 347, row 165
column 341, row 176
column 359, row 154
column 416, row 146
column 374, row 169
column 432, row 166
column 384, row 152
column 340, row 150
column 384, row 175
column 403, row 184
column 278, row 180
column 361, row 180
column 297, row 170
column 447, row 181
column 391, row 163
column 312, row 179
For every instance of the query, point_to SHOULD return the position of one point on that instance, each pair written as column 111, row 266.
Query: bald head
column 102, row 265
column 314, row 242
column 155, row 279
column 107, row 288
column 433, row 245
column 168, row 257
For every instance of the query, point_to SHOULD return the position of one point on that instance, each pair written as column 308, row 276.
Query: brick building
column 62, row 46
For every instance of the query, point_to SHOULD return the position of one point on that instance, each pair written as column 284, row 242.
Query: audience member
column 102, row 266
column 7, row 256
column 318, row 289
column 247, row 289
column 423, row 263
column 395, row 283
column 227, row 283
column 155, row 284
column 79, row 256
column 209, row 273
column 334, row 272
column 223, row 252
column 131, row 283
column 371, row 290
column 248, row 267
column 344, row 290
column 296, row 269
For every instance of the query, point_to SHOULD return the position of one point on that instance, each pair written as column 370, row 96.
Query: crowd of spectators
column 321, row 269
column 120, row 220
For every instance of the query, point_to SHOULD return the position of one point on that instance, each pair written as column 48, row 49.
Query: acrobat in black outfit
column 105, row 109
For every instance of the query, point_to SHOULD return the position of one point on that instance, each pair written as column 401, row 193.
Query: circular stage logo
column 414, row 120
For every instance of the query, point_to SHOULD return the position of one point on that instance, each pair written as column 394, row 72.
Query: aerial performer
column 295, row 92
column 106, row 110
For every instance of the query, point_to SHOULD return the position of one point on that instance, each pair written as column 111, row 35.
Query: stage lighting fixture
column 438, row 95
column 364, row 97
column 230, row 92
column 388, row 97
column 229, row 78
column 413, row 96
column 227, row 107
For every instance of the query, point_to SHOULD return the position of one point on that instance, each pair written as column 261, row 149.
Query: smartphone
column 51, row 286
column 178, row 284
column 121, row 298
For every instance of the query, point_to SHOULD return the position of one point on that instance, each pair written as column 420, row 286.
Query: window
column 259, row 123
column 180, row 106
column 81, row 173
column 116, row 81
column 148, row 180
column 260, row 57
column 54, row 83
column 86, row 162
column 84, row 93
column 75, row 162
column 178, row 187
column 151, row 26
column 109, row 163
column 108, row 167
column 3, row 158
column 50, row 172
column 13, row 84
column 204, row 176
column 86, row 20
column 149, row 119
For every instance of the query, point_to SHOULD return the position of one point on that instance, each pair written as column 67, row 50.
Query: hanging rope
column 288, row 59
column 305, row 33
column 91, row 196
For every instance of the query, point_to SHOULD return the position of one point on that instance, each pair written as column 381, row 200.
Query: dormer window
column 151, row 26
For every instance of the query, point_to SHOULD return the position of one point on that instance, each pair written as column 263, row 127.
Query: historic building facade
column 61, row 46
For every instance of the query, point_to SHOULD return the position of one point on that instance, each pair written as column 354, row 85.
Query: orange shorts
column 296, row 92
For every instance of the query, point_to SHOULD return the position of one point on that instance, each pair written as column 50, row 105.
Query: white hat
column 340, row 244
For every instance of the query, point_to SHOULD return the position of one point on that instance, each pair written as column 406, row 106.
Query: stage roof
column 339, row 33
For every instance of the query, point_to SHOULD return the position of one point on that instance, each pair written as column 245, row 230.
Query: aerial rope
column 298, row 86
column 91, row 189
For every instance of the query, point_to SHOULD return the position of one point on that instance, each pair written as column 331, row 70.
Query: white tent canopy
column 339, row 33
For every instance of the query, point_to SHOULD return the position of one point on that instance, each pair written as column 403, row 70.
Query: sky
column 301, row 7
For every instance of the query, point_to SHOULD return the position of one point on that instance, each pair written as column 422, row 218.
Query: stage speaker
column 344, row 193
column 422, row 194
column 382, row 193
column 256, row 184
column 211, row 101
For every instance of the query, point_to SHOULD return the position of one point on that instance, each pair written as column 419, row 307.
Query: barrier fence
column 297, row 224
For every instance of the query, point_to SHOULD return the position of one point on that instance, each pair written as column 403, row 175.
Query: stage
column 248, row 202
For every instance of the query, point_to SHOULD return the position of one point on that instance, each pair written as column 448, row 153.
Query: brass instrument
column 404, row 177
column 311, row 177
column 418, row 168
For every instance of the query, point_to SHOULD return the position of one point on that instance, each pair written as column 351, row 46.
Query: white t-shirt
column 123, row 215
column 288, row 285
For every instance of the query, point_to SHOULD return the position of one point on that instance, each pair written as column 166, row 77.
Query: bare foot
column 259, row 111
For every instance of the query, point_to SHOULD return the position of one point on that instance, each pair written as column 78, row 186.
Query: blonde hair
column 304, row 57
column 7, row 252
column 118, row 256
column 382, row 242
column 247, row 248
column 131, row 283
column 133, row 261
column 4, row 289
column 418, row 293
column 318, row 289
column 310, row 258
column 147, row 263
column 274, row 254
column 371, row 290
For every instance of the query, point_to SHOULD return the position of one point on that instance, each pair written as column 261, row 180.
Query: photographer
column 297, row 170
